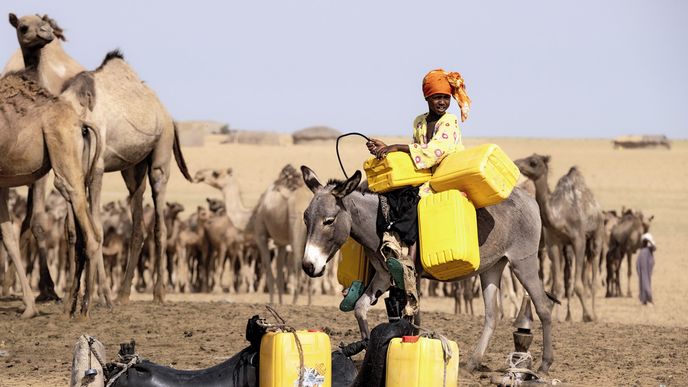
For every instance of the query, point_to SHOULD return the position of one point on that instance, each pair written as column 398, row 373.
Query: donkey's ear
column 13, row 20
column 348, row 186
column 310, row 178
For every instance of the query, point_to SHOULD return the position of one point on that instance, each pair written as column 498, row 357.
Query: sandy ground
column 629, row 345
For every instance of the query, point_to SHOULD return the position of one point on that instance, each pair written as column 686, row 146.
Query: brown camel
column 190, row 250
column 277, row 216
column 40, row 48
column 223, row 242
column 571, row 217
column 140, row 139
column 33, row 122
column 624, row 240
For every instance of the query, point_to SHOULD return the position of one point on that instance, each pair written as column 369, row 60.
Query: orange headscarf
column 441, row 82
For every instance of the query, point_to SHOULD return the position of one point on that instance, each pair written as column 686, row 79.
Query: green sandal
column 396, row 269
column 355, row 292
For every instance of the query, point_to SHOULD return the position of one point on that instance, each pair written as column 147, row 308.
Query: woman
column 435, row 133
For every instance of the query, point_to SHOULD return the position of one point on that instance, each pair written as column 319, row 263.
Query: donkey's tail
column 552, row 297
column 179, row 157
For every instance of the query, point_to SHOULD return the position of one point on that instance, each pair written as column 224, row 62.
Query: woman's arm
column 379, row 149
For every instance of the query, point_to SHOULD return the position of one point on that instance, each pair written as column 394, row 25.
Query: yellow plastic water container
column 448, row 231
column 279, row 359
column 394, row 171
column 485, row 173
column 414, row 361
column 353, row 265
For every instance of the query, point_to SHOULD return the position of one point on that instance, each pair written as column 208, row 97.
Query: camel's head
column 174, row 209
column 216, row 206
column 202, row 213
column 328, row 223
column 216, row 178
column 533, row 166
column 34, row 31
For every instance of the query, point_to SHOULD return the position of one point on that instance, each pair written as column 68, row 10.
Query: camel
column 40, row 48
column 223, row 242
column 278, row 216
column 190, row 250
column 571, row 217
column 39, row 131
column 507, row 232
column 116, row 230
column 140, row 139
column 624, row 240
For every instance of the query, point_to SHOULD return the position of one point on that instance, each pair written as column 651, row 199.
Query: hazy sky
column 585, row 68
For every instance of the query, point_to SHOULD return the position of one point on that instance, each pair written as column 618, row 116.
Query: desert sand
column 629, row 345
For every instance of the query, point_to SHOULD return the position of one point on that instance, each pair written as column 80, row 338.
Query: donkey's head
column 327, row 220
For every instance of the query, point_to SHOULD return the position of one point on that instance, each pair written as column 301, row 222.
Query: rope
column 446, row 348
column 337, row 148
column 282, row 326
column 517, row 369
column 125, row 366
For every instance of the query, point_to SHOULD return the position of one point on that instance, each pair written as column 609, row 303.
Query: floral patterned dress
column 445, row 140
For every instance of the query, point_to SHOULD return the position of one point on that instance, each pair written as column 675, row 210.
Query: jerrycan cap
column 409, row 339
column 313, row 330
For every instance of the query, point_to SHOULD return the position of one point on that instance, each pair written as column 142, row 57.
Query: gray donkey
column 507, row 232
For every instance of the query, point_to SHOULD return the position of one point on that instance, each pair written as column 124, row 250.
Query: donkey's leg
column 490, row 281
column 9, row 240
column 134, row 178
column 526, row 272
column 376, row 288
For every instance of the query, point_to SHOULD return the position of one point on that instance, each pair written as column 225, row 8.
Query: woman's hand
column 375, row 146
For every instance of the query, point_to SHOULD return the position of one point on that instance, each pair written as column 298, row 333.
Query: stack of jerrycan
column 447, row 220
column 415, row 361
column 352, row 273
column 280, row 360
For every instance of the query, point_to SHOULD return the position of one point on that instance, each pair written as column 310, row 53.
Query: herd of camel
column 82, row 123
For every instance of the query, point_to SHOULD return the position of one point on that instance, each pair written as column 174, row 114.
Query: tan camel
column 624, row 240
column 224, row 242
column 277, row 216
column 140, row 139
column 190, row 247
column 40, row 48
column 571, row 217
column 34, row 121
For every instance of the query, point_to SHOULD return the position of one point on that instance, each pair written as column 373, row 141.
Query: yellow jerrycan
column 394, row 171
column 353, row 264
column 414, row 361
column 352, row 273
column 279, row 359
column 448, row 233
column 484, row 172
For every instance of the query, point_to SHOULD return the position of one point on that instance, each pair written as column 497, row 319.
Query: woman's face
column 438, row 103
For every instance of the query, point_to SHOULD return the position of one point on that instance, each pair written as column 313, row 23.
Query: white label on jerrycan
column 311, row 378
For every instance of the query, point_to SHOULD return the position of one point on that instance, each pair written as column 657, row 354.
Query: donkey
column 507, row 232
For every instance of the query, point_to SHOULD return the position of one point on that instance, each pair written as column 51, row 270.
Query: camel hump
column 290, row 178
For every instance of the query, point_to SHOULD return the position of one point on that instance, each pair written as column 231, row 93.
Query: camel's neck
column 363, row 210
column 232, row 196
column 32, row 58
column 542, row 198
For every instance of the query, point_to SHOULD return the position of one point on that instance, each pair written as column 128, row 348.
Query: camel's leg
column 94, row 201
column 579, row 275
column 134, row 178
column 280, row 263
column 218, row 267
column 490, row 282
column 610, row 273
column 38, row 224
column 76, row 266
column 9, row 240
column 376, row 288
column 262, row 242
column 528, row 276
column 158, row 175
column 457, row 290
